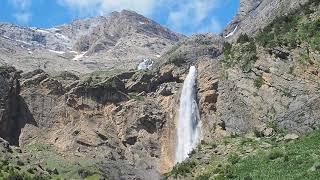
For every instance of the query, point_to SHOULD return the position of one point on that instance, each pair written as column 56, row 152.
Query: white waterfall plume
column 188, row 125
column 232, row 33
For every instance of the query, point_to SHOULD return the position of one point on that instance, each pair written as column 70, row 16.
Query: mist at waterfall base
column 188, row 125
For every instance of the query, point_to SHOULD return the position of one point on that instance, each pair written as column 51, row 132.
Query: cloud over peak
column 94, row 7
column 22, row 14
column 180, row 15
column 184, row 16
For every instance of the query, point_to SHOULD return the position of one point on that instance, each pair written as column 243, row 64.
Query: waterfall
column 188, row 125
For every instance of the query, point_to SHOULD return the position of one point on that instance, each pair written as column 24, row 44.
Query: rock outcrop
column 254, row 15
column 123, row 122
column 14, row 113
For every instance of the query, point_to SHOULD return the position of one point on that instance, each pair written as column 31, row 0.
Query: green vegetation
column 177, row 59
column 233, row 158
column 65, row 75
column 38, row 147
column 289, row 161
column 294, row 29
column 299, row 159
column 136, row 96
column 243, row 54
column 182, row 169
column 258, row 82
column 46, row 163
column 10, row 171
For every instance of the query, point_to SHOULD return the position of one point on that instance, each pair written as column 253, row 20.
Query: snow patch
column 57, row 52
column 74, row 52
column 232, row 33
column 22, row 42
column 58, row 35
column 142, row 23
column 79, row 56
column 158, row 56
column 146, row 64
column 42, row 31
column 54, row 29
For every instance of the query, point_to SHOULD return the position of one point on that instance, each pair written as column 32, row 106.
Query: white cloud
column 193, row 15
column 21, row 4
column 181, row 15
column 214, row 26
column 22, row 18
column 93, row 7
column 22, row 14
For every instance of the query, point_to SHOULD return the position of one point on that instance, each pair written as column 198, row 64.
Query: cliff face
column 254, row 15
column 123, row 122
column 270, row 81
column 262, row 93
column 14, row 113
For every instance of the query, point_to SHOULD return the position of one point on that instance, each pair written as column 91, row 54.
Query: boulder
column 290, row 137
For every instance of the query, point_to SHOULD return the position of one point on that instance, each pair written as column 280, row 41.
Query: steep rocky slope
column 254, row 15
column 14, row 113
column 121, row 124
column 87, row 45
column 267, row 95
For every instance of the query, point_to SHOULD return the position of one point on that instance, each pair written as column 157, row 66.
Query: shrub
column 293, row 29
column 258, row 133
column 182, row 169
column 258, row 82
column 243, row 54
column 243, row 38
column 233, row 158
column 275, row 154
column 177, row 59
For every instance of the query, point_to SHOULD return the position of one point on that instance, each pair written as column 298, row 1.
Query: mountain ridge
column 88, row 40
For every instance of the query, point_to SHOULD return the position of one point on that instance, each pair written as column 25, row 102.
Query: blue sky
column 184, row 16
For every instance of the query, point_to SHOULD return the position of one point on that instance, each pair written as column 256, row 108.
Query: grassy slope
column 298, row 160
column 16, row 165
column 253, row 158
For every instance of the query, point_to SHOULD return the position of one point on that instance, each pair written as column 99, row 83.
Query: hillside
column 253, row 94
column 86, row 45
column 268, row 94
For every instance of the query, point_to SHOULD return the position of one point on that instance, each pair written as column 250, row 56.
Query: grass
column 38, row 147
column 67, row 167
column 136, row 96
column 292, row 161
column 299, row 159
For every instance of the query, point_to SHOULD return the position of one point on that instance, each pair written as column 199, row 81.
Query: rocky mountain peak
column 86, row 45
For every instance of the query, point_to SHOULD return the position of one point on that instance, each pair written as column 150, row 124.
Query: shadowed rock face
column 14, row 113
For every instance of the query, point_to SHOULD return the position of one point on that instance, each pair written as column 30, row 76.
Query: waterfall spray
column 188, row 125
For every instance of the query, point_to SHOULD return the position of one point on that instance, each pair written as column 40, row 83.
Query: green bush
column 293, row 29
column 242, row 55
column 177, row 59
column 182, row 169
column 243, row 38
column 275, row 154
column 258, row 82
column 233, row 158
